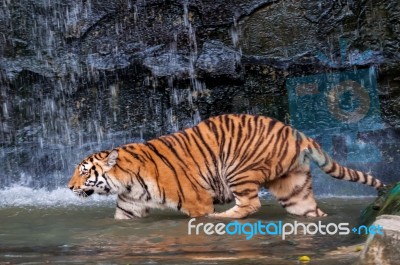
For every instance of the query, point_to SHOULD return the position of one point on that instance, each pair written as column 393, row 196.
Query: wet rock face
column 83, row 73
column 218, row 60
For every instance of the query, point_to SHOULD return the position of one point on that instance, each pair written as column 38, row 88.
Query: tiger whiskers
column 80, row 193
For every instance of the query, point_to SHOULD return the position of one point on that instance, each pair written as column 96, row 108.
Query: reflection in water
column 88, row 234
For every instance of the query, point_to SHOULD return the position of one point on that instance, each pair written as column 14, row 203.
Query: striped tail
column 331, row 167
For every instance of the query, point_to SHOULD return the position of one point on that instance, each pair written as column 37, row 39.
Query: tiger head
column 90, row 176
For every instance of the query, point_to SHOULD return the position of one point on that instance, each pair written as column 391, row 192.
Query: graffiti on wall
column 338, row 104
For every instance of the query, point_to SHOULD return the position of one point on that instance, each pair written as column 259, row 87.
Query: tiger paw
column 217, row 215
column 228, row 214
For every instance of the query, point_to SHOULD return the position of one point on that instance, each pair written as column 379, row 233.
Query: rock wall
column 382, row 246
column 77, row 76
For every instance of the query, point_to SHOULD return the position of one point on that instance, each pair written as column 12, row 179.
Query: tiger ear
column 112, row 158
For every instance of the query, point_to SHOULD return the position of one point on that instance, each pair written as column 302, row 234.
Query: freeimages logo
column 278, row 229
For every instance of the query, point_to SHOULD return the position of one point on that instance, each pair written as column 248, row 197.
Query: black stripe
column 373, row 184
column 248, row 155
column 178, row 141
column 279, row 169
column 144, row 186
column 284, row 143
column 342, row 173
column 296, row 190
column 222, row 142
column 253, row 196
column 157, row 173
column 209, row 170
column 179, row 206
column 166, row 161
column 163, row 196
column 213, row 128
column 108, row 180
column 365, row 178
column 278, row 139
column 210, row 151
column 297, row 152
column 308, row 193
column 127, row 171
column 249, row 167
column 285, row 151
column 165, row 141
column 244, row 192
column 243, row 183
column 186, row 148
column 134, row 155
column 288, row 204
column 332, row 169
column 355, row 177
column 126, row 212
column 240, row 178
column 326, row 157
column 249, row 129
column 122, row 198
column 271, row 125
column 243, row 119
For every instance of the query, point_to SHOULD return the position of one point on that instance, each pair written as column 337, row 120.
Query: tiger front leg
column 247, row 202
column 129, row 209
column 197, row 205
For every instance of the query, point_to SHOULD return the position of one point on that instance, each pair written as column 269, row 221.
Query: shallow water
column 86, row 233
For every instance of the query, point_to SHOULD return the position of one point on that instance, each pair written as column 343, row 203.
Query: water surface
column 84, row 232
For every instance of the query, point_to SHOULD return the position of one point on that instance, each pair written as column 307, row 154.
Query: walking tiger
column 224, row 158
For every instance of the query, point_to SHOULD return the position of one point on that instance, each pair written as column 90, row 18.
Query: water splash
column 20, row 196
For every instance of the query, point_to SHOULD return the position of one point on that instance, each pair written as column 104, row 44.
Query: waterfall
column 83, row 76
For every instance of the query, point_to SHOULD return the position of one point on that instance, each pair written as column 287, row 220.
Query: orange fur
column 224, row 158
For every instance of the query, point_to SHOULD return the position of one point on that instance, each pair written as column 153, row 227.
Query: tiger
column 221, row 159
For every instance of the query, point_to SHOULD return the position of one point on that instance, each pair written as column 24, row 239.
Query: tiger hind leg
column 247, row 202
column 294, row 192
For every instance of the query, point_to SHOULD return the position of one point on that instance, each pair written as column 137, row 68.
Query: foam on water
column 21, row 196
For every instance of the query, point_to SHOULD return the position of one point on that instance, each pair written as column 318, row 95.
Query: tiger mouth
column 88, row 192
column 83, row 193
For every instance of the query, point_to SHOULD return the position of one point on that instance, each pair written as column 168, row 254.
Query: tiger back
column 224, row 158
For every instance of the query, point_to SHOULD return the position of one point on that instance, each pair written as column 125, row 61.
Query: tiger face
column 90, row 176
